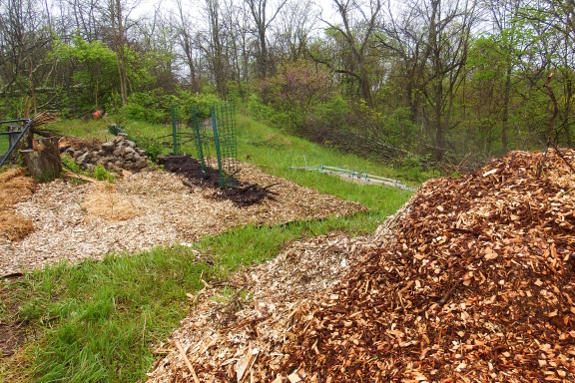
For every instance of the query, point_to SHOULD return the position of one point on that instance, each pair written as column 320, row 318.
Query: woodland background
column 447, row 83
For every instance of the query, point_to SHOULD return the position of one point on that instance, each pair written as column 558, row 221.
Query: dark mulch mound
column 241, row 194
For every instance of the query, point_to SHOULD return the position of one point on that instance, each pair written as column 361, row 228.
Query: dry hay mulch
column 75, row 222
column 15, row 187
column 14, row 227
column 105, row 202
column 475, row 285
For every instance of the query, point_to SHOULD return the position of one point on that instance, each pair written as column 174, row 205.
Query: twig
column 449, row 294
column 183, row 353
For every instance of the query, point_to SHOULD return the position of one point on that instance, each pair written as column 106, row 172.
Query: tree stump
column 43, row 159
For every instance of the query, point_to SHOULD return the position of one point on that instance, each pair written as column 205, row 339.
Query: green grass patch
column 97, row 321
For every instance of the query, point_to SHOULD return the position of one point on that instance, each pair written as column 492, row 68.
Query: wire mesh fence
column 216, row 133
column 176, row 131
column 224, row 127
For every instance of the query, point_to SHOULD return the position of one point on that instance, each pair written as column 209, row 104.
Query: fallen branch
column 183, row 354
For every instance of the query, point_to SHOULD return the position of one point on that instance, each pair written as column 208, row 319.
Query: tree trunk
column 505, row 111
column 43, row 164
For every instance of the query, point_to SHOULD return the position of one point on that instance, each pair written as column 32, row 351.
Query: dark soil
column 241, row 194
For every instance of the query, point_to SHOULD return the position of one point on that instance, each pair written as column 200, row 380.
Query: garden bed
column 75, row 222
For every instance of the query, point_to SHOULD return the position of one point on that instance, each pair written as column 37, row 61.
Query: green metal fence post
column 218, row 155
column 198, row 139
column 174, row 130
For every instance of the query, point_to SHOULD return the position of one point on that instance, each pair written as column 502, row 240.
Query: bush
column 101, row 174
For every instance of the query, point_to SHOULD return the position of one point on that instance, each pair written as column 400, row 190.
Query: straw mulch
column 15, row 187
column 75, row 222
column 474, row 284
column 105, row 202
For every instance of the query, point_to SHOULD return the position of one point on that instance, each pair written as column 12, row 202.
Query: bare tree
column 261, row 23
column 359, row 22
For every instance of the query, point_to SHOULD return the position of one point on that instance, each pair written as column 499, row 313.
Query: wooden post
column 43, row 160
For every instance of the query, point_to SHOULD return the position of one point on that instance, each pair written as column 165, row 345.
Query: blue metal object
column 28, row 123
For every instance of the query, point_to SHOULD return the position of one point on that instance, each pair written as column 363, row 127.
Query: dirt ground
column 74, row 222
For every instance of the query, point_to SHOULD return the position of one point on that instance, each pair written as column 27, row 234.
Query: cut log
column 43, row 164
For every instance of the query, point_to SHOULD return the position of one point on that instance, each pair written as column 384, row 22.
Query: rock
column 101, row 161
column 78, row 153
column 141, row 163
column 118, row 151
column 81, row 159
column 136, row 156
column 108, row 147
column 127, row 150
column 129, row 156
column 131, row 144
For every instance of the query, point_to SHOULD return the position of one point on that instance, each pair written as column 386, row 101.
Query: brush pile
column 474, row 284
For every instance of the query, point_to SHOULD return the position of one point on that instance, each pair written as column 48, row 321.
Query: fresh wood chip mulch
column 474, row 284
column 75, row 222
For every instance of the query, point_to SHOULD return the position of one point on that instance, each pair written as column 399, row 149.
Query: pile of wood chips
column 478, row 287
column 474, row 285
column 15, row 187
column 240, row 338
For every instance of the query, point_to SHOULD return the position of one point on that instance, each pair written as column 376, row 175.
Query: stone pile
column 120, row 153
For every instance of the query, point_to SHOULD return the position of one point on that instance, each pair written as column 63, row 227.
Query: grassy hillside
column 97, row 321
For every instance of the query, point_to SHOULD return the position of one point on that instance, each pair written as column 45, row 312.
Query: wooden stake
column 183, row 353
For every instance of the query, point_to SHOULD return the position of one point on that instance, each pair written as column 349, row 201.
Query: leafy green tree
column 94, row 66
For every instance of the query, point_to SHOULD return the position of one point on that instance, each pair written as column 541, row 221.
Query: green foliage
column 95, row 72
column 68, row 163
column 101, row 174
column 154, row 148
column 296, row 89
column 413, row 170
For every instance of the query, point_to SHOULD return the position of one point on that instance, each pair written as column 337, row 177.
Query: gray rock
column 82, row 159
column 78, row 153
column 101, row 161
column 108, row 147
column 136, row 156
column 126, row 150
column 129, row 156
column 118, row 150
column 131, row 144
column 141, row 163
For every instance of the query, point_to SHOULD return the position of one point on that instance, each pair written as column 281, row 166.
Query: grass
column 98, row 321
